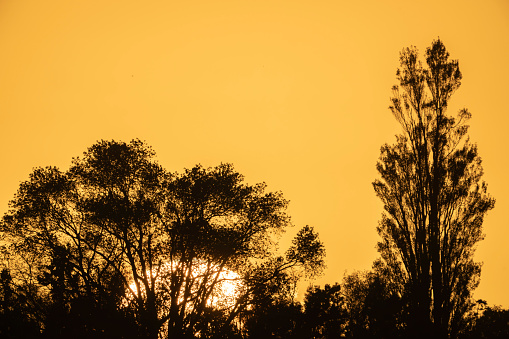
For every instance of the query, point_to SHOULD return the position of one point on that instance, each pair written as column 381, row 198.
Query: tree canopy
column 118, row 235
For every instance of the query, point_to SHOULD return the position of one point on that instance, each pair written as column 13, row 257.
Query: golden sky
column 293, row 93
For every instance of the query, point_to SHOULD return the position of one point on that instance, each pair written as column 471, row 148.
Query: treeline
column 119, row 247
column 363, row 306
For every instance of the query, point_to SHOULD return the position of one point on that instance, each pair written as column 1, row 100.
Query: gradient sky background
column 293, row 93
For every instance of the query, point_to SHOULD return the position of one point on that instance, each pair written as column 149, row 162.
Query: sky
column 293, row 93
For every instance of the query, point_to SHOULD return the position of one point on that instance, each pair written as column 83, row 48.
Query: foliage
column 488, row 322
column 15, row 319
column 279, row 320
column 433, row 195
column 324, row 312
column 278, row 315
column 117, row 239
column 374, row 304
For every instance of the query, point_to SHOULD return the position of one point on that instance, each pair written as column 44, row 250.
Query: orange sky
column 293, row 93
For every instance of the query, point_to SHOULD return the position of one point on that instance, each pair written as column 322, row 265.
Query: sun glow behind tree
column 222, row 285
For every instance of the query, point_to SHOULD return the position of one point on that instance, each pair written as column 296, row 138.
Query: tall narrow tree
column 433, row 195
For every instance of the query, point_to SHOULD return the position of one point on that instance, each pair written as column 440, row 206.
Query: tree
column 275, row 313
column 324, row 312
column 117, row 234
column 15, row 320
column 488, row 322
column 374, row 304
column 433, row 195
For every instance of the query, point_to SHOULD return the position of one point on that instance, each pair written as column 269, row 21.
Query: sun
column 223, row 286
column 228, row 289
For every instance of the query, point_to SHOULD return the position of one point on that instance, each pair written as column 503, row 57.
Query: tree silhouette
column 117, row 237
column 274, row 311
column 15, row 312
column 488, row 322
column 374, row 304
column 324, row 312
column 433, row 196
